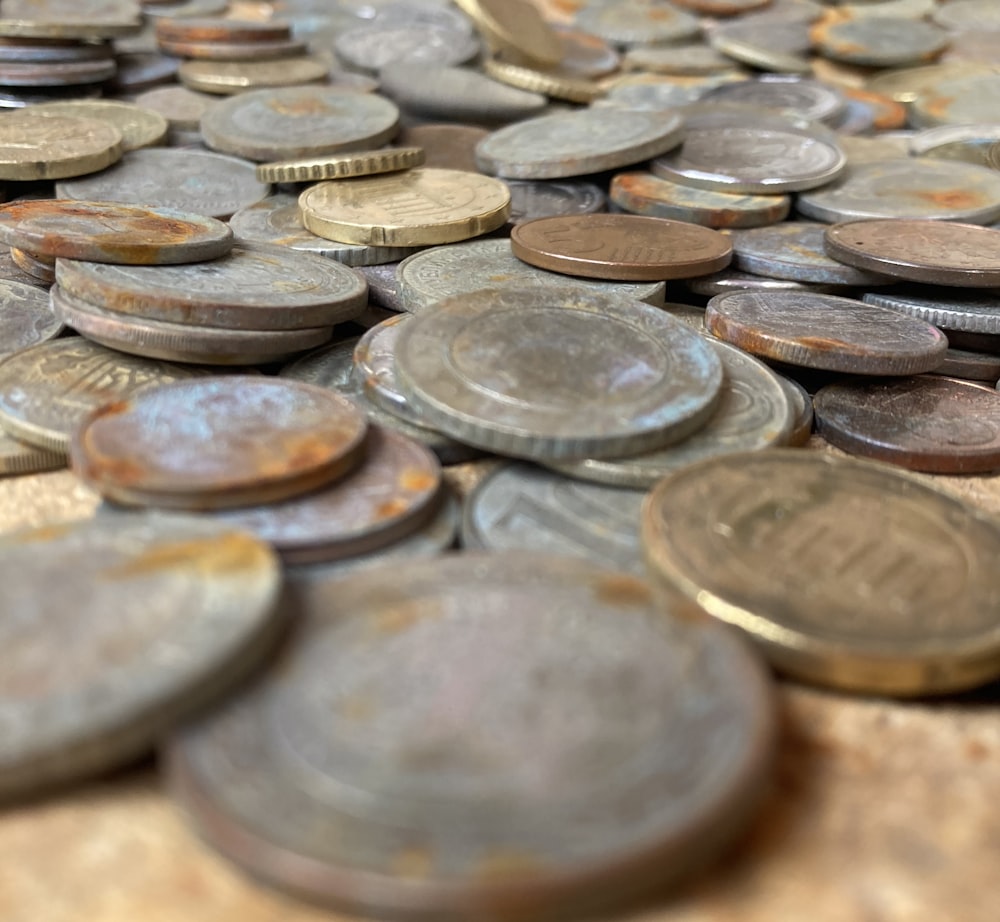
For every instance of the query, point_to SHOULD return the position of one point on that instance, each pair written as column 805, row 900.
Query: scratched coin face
column 845, row 572
column 380, row 750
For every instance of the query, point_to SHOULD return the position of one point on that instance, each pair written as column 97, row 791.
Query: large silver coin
column 26, row 317
column 947, row 308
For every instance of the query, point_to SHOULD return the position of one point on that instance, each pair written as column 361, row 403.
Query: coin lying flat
column 139, row 127
column 719, row 283
column 372, row 47
column 530, row 199
column 69, row 19
column 962, row 99
column 218, row 443
column 827, row 332
column 547, row 82
column 228, row 77
column 450, row 147
column 635, row 22
column 559, row 374
column 771, row 44
column 341, row 166
column 349, row 762
column 180, row 106
column 55, row 147
column 970, row 366
column 951, row 309
column 26, row 318
column 795, row 96
column 116, row 629
column 876, row 41
column 214, row 29
column 846, row 573
column 938, row 252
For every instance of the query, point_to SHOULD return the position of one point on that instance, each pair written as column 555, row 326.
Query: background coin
column 57, row 147
column 951, row 309
column 26, row 318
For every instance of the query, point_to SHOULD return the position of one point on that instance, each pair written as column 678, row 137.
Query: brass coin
column 846, row 573
column 55, row 147
column 516, row 25
column 139, row 127
column 342, row 166
column 572, row 89
column 217, row 29
column 228, row 77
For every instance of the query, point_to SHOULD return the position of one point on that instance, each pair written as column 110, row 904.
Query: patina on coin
column 342, row 166
column 557, row 374
column 826, row 332
column 26, row 318
column 40, row 267
column 846, row 573
column 876, row 41
column 218, row 443
column 55, row 147
column 114, row 630
column 621, row 247
column 350, row 775
column 69, row 19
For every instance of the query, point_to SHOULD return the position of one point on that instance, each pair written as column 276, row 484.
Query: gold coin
column 846, row 573
column 412, row 208
column 515, row 25
column 139, row 127
column 549, row 84
column 341, row 166
column 55, row 147
column 226, row 78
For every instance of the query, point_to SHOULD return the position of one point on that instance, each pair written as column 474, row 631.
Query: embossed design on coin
column 26, row 318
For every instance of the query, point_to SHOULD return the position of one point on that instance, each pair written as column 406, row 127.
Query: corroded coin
column 69, row 19
column 827, row 332
column 42, row 268
column 976, row 312
column 115, row 629
column 55, row 147
column 350, row 764
column 795, row 96
column 530, row 199
column 218, row 443
column 845, row 572
column 938, row 252
column 907, row 84
column 139, row 127
column 879, row 42
column 375, row 365
column 26, row 318
column 341, row 166
column 372, row 47
column 106, row 232
column 621, row 247
column 557, row 374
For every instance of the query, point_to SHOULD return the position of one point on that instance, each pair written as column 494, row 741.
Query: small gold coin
column 516, row 25
column 549, row 84
column 341, row 166
column 412, row 208
column 226, row 78
column 55, row 147
column 139, row 127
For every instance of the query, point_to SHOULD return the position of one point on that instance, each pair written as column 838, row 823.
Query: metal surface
column 26, row 318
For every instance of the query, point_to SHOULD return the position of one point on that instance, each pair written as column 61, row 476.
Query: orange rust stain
column 301, row 452
column 122, row 471
column 938, row 105
column 949, row 198
column 821, row 343
column 501, row 862
column 391, row 509
column 619, row 589
column 228, row 554
column 414, row 862
column 399, row 617
column 417, row 481
column 45, row 534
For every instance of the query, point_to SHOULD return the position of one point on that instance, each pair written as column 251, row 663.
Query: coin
column 194, row 181
column 637, row 22
column 907, row 84
column 576, row 143
column 939, row 252
column 793, row 96
column 450, row 147
column 959, row 15
column 180, row 106
column 234, row 51
column 826, row 332
column 621, row 247
column 218, row 443
column 687, row 60
column 520, row 507
column 680, row 735
column 444, row 272
column 69, row 19
column 768, row 44
column 568, row 374
column 731, row 279
column 68, row 74
column 214, row 29
column 341, row 166
column 879, row 42
column 970, row 143
column 530, row 199
column 372, row 47
column 26, row 318
column 42, row 269
column 228, row 77
column 17, row 458
column 971, row 366
column 411, row 208
column 802, row 410
column 948, row 308
column 515, row 25
column 56, row 147
column 298, row 121
column 548, row 82
column 124, row 626
column 845, row 572
column 252, row 287
column 139, row 127
column 375, row 364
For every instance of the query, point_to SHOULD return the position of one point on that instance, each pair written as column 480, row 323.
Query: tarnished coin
column 412, row 208
column 802, row 410
column 106, row 232
column 752, row 414
column 621, row 247
column 917, row 187
column 26, row 318
column 195, row 181
column 969, row 143
column 372, row 47
column 450, row 147
column 520, row 507
column 976, row 312
column 959, row 15
column 235, row 51
column 795, row 96
column 180, row 106
column 637, row 22
column 253, row 287
column 683, row 59
column 218, row 443
column 41, row 267
column 139, row 127
column 879, row 42
column 925, row 422
column 668, row 760
column 298, row 121
column 115, row 630
column 55, row 147
column 938, row 252
column 17, row 458
column 770, row 44
column 217, row 29
column 577, row 143
column 342, row 166
column 444, row 272
column 375, row 364
column 45, row 76
column 383, row 291
column 970, row 366
column 845, row 572
column 826, row 332
column 907, row 84
column 557, row 373
column 69, row 19
column 226, row 78
column 530, row 199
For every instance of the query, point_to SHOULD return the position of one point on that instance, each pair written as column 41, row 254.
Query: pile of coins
column 675, row 317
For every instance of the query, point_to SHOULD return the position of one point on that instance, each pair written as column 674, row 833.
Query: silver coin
column 796, row 96
column 370, row 48
column 637, row 22
column 115, row 629
column 443, row 272
column 768, row 43
column 383, row 288
column 26, row 317
column 802, row 411
column 195, row 181
column 736, row 280
column 20, row 458
column 684, row 60
column 660, row 96
column 873, row 41
column 375, row 365
column 568, row 374
column 964, row 99
column 523, row 507
column 538, row 199
column 948, row 308
column 181, row 107
column 972, row 15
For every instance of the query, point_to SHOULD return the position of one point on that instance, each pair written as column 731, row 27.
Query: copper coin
column 40, row 268
column 451, row 147
column 621, row 247
column 924, row 423
column 826, row 332
column 939, row 252
column 216, row 29
column 235, row 51
column 219, row 442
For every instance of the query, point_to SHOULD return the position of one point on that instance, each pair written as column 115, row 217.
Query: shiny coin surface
column 621, row 247
column 91, row 609
column 976, row 312
column 530, row 199
column 797, row 96
column 218, row 442
column 115, row 233
column 938, row 252
column 683, row 735
column 845, row 572
column 226, row 78
column 879, row 42
column 412, row 208
column 26, row 318
column 55, row 147
column 17, row 458
column 341, row 166
column 827, row 332
column 925, row 422
column 566, row 375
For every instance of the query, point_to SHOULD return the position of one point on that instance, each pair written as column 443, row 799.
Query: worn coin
column 549, row 82
column 795, row 96
column 557, row 374
column 970, row 143
column 826, row 332
column 69, row 19
column 964, row 99
column 17, row 458
column 372, row 47
column 950, row 309
column 516, row 25
column 666, row 762
column 26, row 318
column 180, row 106
column 450, row 147
column 375, row 364
column 42, row 268
column 139, row 127
column 235, row 51
column 770, row 44
column 225, row 78
column 637, row 22
column 62, row 74
column 621, row 247
column 802, row 410
column 217, row 29
column 530, row 199
column 845, row 572
column 971, row 366
column 56, row 147
column 731, row 279
column 684, row 59
column 959, row 15
column 907, row 84
column 116, row 630
column 879, row 42
column 342, row 166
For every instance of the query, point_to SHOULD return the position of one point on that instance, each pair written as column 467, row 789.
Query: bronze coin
column 450, row 147
column 621, row 247
column 924, row 423
column 216, row 29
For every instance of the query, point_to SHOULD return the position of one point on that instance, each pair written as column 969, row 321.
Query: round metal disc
column 26, row 318
column 950, row 309
column 55, row 147
column 531, row 199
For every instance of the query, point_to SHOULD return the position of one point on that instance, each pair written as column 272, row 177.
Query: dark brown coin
column 972, row 366
column 621, row 247
column 450, row 147
column 826, row 332
column 925, row 423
